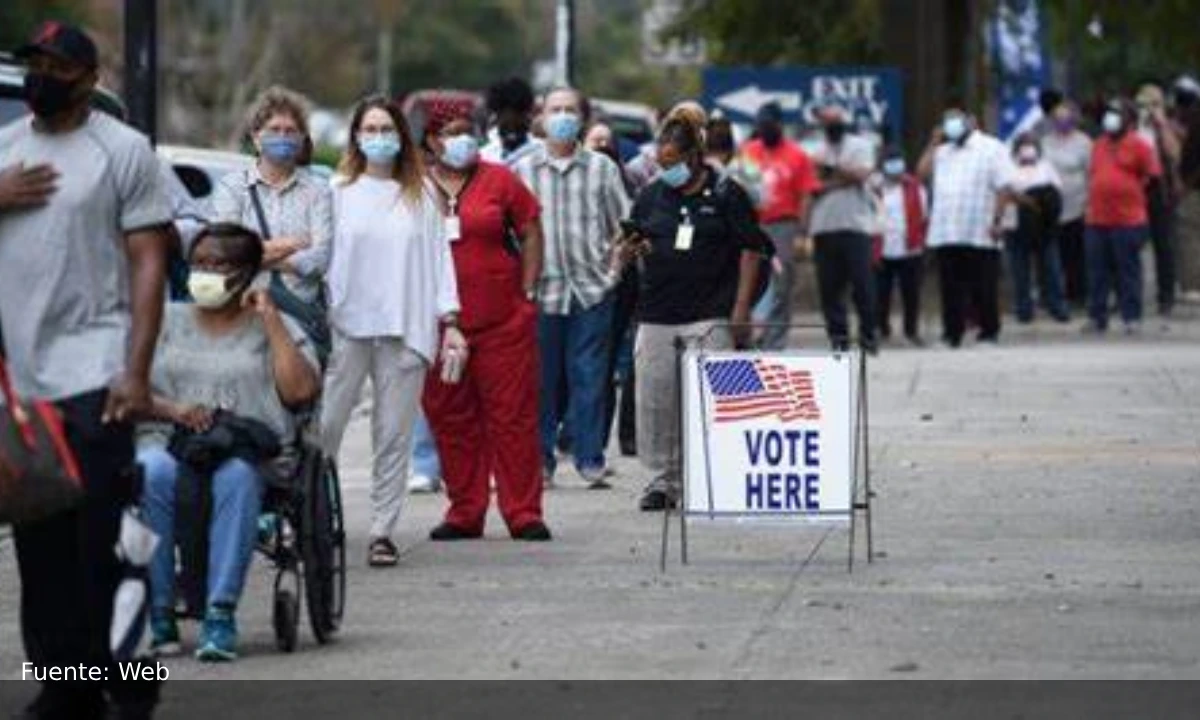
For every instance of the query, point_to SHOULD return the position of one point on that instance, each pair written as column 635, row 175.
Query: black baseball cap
column 63, row 40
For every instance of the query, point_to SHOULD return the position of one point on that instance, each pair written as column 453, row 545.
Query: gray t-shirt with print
column 231, row 372
column 64, row 273
column 847, row 209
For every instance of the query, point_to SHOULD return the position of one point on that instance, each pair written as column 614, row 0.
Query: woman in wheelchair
column 231, row 350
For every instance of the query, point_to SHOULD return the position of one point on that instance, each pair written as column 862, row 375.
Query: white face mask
column 1027, row 154
column 210, row 290
column 1113, row 122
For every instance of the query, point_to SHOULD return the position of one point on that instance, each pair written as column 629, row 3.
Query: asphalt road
column 1036, row 518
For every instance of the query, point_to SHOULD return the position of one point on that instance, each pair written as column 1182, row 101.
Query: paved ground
column 1036, row 518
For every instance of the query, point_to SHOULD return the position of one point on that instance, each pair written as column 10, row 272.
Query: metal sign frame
column 861, row 494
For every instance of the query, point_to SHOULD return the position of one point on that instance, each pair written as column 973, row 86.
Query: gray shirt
column 302, row 208
column 847, row 209
column 230, row 372
column 1071, row 157
column 64, row 272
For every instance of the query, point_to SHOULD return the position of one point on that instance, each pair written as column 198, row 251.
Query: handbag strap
column 265, row 229
column 13, row 403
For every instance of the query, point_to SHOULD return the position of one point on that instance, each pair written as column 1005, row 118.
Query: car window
column 11, row 108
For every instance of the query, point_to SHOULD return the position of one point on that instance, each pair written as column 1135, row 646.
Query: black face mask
column 513, row 139
column 834, row 132
column 48, row 96
column 771, row 134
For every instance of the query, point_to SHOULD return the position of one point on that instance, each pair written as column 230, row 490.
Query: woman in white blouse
column 391, row 289
column 1032, row 232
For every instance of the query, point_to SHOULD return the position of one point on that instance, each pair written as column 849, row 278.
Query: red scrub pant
column 487, row 426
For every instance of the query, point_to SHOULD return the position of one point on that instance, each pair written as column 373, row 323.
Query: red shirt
column 1119, row 173
column 488, row 271
column 788, row 179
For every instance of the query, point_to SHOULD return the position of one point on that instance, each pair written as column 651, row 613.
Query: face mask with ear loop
column 214, row 290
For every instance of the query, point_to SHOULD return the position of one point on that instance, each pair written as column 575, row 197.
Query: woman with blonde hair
column 392, row 292
column 290, row 207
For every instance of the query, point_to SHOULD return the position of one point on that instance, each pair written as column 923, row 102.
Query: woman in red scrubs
column 486, row 426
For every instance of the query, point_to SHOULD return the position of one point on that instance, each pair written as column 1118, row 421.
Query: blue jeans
column 1020, row 254
column 1118, row 247
column 576, row 346
column 425, row 458
column 236, row 501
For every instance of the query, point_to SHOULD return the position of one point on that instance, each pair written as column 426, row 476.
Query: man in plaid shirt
column 583, row 200
column 970, row 172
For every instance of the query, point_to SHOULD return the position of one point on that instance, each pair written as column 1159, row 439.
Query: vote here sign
column 768, row 434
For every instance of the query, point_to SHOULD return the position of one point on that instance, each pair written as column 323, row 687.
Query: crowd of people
column 506, row 300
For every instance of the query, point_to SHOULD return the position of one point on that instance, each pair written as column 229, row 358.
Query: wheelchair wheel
column 285, row 613
column 323, row 550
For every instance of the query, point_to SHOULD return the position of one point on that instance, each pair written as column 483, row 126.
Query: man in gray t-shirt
column 81, row 288
column 842, row 220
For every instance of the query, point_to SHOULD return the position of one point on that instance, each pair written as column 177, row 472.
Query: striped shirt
column 301, row 208
column 583, row 200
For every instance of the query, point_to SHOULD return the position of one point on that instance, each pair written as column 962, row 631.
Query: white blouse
column 391, row 271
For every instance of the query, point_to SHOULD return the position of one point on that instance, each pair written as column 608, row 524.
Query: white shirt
column 895, row 222
column 391, row 273
column 493, row 150
column 1026, row 177
column 965, row 182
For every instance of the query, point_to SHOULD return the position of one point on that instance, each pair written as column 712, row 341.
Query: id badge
column 683, row 236
column 453, row 228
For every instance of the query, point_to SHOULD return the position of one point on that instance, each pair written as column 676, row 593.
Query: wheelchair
column 301, row 536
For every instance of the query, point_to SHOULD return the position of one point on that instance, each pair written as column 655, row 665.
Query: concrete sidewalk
column 1036, row 518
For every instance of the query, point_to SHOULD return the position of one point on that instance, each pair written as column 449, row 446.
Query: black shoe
column 628, row 448
column 535, row 531
column 915, row 340
column 656, row 501
column 446, row 531
column 870, row 347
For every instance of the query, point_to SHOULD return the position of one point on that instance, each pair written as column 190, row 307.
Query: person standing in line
column 1123, row 166
column 1069, row 151
column 700, row 244
column 511, row 104
column 296, row 219
column 1162, row 195
column 583, row 199
column 391, row 287
column 969, row 170
column 905, row 207
column 789, row 181
column 486, row 425
column 842, row 221
column 83, row 249
column 1031, row 232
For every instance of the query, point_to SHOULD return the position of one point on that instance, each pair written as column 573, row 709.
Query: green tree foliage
column 19, row 18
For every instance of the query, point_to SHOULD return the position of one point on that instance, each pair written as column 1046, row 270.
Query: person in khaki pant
column 699, row 242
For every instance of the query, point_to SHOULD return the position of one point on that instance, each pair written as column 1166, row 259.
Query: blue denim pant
column 425, row 458
column 1118, row 247
column 1020, row 254
column 576, row 345
column 236, row 501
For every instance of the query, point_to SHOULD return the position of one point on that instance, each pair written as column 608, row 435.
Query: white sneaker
column 423, row 484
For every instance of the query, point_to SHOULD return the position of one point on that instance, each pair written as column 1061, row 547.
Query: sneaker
column 596, row 478
column 446, row 531
column 423, row 484
column 164, row 636
column 656, row 501
column 535, row 531
column 218, row 636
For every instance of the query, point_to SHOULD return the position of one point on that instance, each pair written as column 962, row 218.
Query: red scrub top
column 488, row 270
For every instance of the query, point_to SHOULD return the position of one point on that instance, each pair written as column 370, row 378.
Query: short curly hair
column 278, row 100
column 511, row 94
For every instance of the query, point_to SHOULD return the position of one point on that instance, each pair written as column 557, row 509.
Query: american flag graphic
column 746, row 389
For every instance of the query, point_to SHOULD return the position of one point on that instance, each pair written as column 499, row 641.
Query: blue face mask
column 461, row 151
column 380, row 149
column 563, row 127
column 893, row 168
column 281, row 149
column 677, row 175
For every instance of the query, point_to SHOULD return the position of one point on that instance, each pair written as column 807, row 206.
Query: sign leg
column 868, row 496
column 683, row 537
column 666, row 531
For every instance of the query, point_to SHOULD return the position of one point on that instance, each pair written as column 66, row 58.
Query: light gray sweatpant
column 657, row 394
column 397, row 377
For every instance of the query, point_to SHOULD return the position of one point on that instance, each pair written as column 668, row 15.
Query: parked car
column 633, row 121
column 199, row 169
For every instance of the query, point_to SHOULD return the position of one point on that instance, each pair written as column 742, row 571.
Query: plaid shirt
column 582, row 205
column 965, row 182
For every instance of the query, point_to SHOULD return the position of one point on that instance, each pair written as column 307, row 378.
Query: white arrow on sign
column 749, row 99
